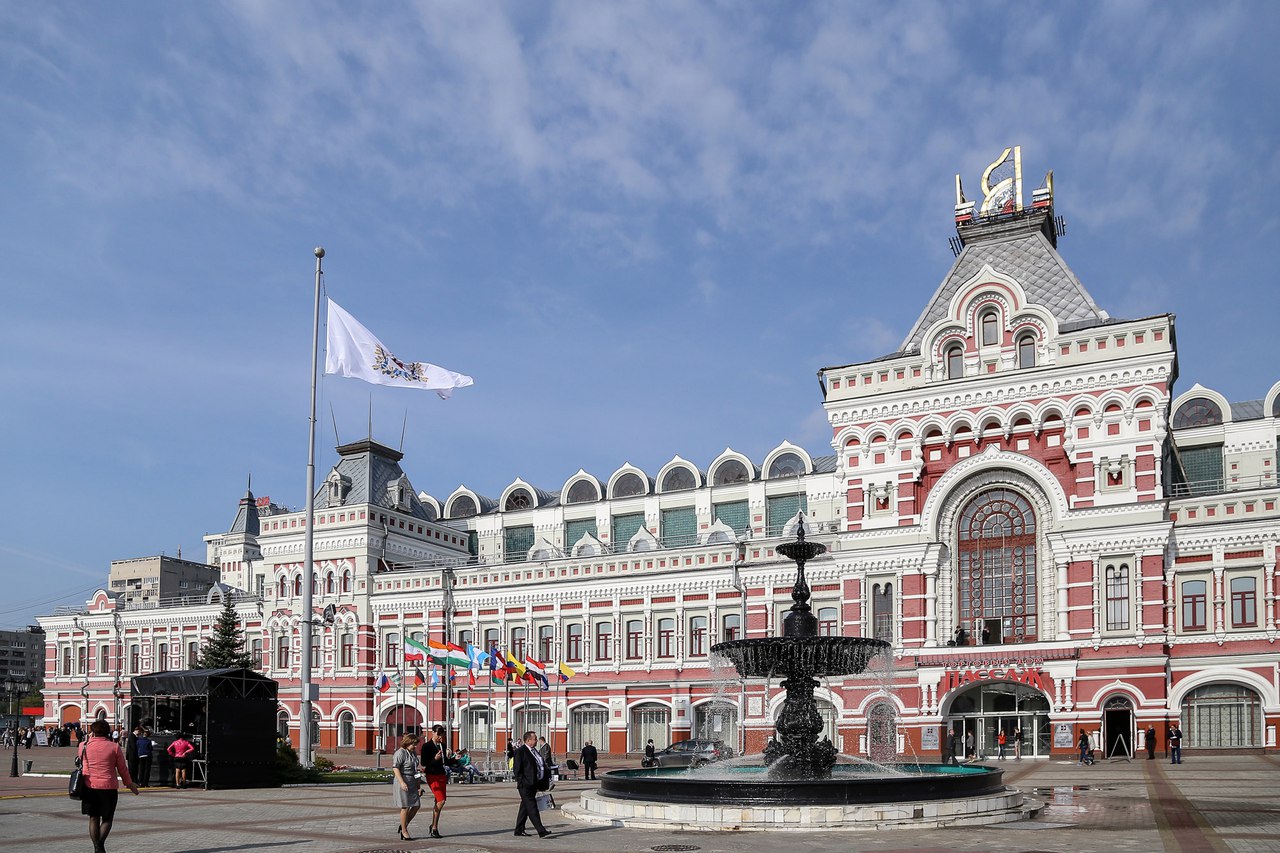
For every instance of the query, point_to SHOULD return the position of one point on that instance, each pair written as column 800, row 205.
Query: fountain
column 800, row 782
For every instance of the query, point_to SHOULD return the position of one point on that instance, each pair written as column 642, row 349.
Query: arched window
column 732, row 627
column 990, row 329
column 629, row 485
column 328, row 583
column 697, row 636
column 1222, row 716
column 666, row 638
column 996, row 552
column 581, row 492
column 955, row 362
column 882, row 732
column 829, row 621
column 573, row 642
column 1026, row 351
column 392, row 651
column 283, row 591
column 786, row 465
column 462, row 507
column 1197, row 412
column 518, row 500
column 731, row 471
column 882, row 612
column 518, row 637
column 635, row 639
column 346, row 580
column 650, row 721
column 679, row 479
column 282, row 725
column 1117, row 580
column 546, row 642
column 297, row 586
column 346, row 729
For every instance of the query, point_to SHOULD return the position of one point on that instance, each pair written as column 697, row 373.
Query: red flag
column 471, row 678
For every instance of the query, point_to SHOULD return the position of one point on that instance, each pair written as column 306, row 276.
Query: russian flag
column 383, row 683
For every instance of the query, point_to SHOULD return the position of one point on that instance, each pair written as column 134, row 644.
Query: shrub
column 288, row 768
column 323, row 765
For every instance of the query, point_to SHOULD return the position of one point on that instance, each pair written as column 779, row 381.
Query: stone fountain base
column 1004, row 806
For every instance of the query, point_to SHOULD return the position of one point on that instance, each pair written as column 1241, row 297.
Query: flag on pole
column 435, row 678
column 456, row 655
column 497, row 666
column 352, row 350
column 471, row 678
column 566, row 673
column 419, row 652
column 383, row 684
column 418, row 678
column 514, row 668
column 478, row 659
column 537, row 671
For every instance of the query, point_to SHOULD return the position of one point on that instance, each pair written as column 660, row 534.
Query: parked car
column 692, row 753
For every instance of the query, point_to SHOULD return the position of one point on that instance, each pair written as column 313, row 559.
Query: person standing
column 953, row 748
column 969, row 752
column 1083, row 743
column 433, row 762
column 1017, row 744
column 1001, row 740
column 102, row 767
column 131, row 751
column 180, row 751
column 589, row 758
column 404, row 791
column 649, row 754
column 145, row 747
column 532, row 776
column 1151, row 743
column 511, row 751
column 1175, row 744
column 544, row 749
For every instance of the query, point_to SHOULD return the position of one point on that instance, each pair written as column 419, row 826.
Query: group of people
column 966, row 745
column 54, row 736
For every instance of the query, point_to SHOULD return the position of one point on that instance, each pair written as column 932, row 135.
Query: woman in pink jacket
column 180, row 750
column 101, row 763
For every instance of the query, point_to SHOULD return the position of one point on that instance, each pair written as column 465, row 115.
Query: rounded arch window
column 1197, row 412
column 346, row 729
column 462, row 507
column 581, row 492
column 955, row 362
column 731, row 471
column 328, row 583
column 284, row 588
column 679, row 479
column 882, row 732
column 297, row 586
column 1275, row 407
column 1222, row 716
column 1026, row 351
column 346, row 580
column 629, row 485
column 430, row 510
column 990, row 328
column 518, row 500
column 996, row 551
column 786, row 465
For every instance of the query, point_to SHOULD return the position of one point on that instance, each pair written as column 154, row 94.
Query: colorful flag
column 566, row 673
column 479, row 659
column 471, row 678
column 418, row 678
column 435, row 678
column 536, row 671
column 383, row 684
column 497, row 666
column 352, row 350
column 419, row 652
column 456, row 655
column 515, row 669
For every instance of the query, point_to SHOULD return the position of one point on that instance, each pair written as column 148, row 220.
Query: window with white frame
column 604, row 640
column 635, row 638
column 666, row 638
column 1117, row 595
column 697, row 636
column 732, row 625
column 1244, row 602
column 573, row 642
column 1194, row 597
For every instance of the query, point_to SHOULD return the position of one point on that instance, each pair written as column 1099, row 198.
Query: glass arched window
column 996, row 551
column 990, row 329
column 697, row 636
column 829, row 621
column 346, row 580
column 732, row 627
column 462, row 507
column 635, row 639
column 649, row 721
column 882, row 612
column 882, row 732
column 731, row 471
column 284, row 588
column 518, row 500
column 297, row 586
column 346, row 729
column 1197, row 412
column 573, row 642
column 1026, row 351
column 955, row 362
column 679, row 479
column 518, row 637
column 786, row 465
column 328, row 583
column 1117, row 580
column 1222, row 716
column 666, row 638
column 282, row 725
column 629, row 485
column 581, row 492
column 1244, row 602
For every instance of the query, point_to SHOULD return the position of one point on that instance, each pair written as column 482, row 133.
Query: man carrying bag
column 532, row 775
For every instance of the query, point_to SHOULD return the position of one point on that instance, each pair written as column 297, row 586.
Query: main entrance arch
column 996, row 571
column 985, row 710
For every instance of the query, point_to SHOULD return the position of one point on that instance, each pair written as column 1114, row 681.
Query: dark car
column 692, row 753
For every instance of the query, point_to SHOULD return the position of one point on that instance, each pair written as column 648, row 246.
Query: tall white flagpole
column 307, row 689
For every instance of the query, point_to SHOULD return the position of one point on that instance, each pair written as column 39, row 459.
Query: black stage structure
column 228, row 714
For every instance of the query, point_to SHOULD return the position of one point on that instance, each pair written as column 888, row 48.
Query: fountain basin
column 821, row 656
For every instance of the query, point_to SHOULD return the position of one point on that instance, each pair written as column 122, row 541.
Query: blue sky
column 641, row 227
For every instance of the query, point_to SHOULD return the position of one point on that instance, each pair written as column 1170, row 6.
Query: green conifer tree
column 225, row 648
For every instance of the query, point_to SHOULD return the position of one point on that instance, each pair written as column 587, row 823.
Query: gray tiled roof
column 1029, row 259
column 370, row 467
column 1249, row 410
column 246, row 516
column 824, row 464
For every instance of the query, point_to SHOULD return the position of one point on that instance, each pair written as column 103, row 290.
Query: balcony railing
column 1233, row 483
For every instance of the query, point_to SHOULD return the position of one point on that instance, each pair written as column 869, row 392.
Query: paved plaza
column 1210, row 803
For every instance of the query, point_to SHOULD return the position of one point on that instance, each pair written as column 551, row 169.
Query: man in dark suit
column 589, row 759
column 532, row 775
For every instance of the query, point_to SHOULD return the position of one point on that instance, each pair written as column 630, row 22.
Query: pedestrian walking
column 1175, row 744
column 406, row 770
column 433, row 764
column 969, row 751
column 1086, row 756
column 544, row 749
column 532, row 776
column 1151, row 743
column 589, row 757
column 1001, row 740
column 145, row 748
column 131, row 751
column 1017, row 744
column 953, row 749
column 649, row 754
column 102, row 768
column 180, row 751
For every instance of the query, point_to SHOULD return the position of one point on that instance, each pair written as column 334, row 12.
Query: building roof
column 370, row 467
column 1249, row 410
column 247, row 516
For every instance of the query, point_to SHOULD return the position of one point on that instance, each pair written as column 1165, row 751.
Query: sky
column 641, row 227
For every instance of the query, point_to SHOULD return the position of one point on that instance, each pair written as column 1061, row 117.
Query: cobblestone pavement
column 1209, row 803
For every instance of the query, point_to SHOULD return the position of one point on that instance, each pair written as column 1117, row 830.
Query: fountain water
column 800, row 783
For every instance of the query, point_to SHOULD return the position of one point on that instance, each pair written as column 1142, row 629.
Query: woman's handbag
column 76, row 784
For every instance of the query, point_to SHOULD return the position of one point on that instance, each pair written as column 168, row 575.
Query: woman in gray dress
column 404, row 786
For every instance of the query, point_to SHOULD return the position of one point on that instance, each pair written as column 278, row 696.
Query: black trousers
column 590, row 770
column 529, row 809
column 144, row 770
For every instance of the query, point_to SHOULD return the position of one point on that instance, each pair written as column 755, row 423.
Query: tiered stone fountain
column 800, row 782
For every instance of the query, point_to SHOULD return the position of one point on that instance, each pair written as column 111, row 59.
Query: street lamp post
column 15, row 688
column 115, row 690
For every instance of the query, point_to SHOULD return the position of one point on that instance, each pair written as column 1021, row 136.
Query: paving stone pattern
column 1209, row 803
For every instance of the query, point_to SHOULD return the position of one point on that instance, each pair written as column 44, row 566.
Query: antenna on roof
column 370, row 417
column 956, row 245
column 334, row 418
column 403, row 427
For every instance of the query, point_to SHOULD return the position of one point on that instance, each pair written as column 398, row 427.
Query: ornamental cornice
column 987, row 467
column 923, row 401
column 1202, row 540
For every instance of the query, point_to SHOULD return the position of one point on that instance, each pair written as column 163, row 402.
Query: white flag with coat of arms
column 352, row 350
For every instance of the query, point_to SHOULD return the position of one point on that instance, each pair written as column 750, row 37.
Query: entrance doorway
column 1117, row 727
column 979, row 714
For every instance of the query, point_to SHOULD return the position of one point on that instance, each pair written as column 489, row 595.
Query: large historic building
column 1017, row 500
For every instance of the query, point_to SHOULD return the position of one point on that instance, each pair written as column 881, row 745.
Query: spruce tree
column 225, row 647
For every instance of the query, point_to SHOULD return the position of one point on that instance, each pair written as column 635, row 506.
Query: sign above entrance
column 954, row 678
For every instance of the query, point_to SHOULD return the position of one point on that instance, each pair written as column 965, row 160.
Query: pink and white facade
column 1020, row 476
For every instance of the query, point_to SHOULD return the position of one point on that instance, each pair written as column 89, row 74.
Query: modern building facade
column 1049, row 536
column 22, row 655
column 147, row 581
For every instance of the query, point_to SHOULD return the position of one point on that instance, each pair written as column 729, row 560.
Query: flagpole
column 554, row 706
column 306, row 688
column 493, row 722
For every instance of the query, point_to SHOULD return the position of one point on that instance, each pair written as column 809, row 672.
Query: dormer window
column 518, row 500
column 679, row 479
column 990, row 329
column 955, row 362
column 338, row 487
column 1026, row 351
column 399, row 493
